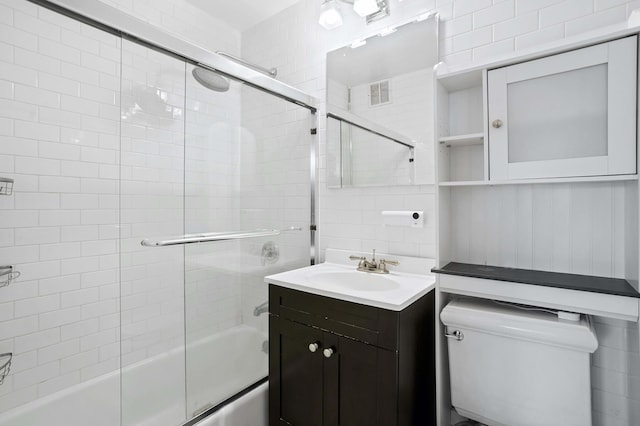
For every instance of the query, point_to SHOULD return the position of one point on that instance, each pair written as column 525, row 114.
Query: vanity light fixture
column 331, row 17
column 365, row 7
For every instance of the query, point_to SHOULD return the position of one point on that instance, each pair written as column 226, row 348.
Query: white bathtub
column 153, row 390
column 249, row 410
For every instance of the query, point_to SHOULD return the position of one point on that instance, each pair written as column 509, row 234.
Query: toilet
column 510, row 365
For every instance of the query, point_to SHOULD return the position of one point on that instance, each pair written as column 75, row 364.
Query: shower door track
column 209, row 411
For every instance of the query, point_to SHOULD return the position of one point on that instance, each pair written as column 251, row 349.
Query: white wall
column 59, row 140
column 471, row 31
column 185, row 21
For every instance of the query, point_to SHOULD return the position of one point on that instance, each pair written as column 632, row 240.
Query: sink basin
column 353, row 280
column 338, row 278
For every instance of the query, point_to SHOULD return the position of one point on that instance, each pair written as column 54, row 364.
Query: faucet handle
column 352, row 257
column 382, row 266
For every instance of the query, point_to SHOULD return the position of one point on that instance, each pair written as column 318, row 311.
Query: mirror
column 380, row 107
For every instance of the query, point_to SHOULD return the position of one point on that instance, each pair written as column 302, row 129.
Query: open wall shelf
column 462, row 140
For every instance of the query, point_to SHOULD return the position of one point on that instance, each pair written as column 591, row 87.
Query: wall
column 471, row 31
column 183, row 20
column 60, row 115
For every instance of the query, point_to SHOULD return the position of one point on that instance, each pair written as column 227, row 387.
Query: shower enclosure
column 150, row 196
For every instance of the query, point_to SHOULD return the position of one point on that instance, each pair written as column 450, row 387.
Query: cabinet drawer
column 365, row 323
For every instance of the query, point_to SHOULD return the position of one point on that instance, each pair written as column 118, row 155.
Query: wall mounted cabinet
column 570, row 114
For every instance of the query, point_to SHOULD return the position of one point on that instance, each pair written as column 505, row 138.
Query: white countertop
column 394, row 291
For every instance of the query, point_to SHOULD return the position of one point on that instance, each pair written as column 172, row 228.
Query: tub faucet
column 262, row 308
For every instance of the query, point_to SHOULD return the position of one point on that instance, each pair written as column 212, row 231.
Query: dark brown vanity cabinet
column 333, row 362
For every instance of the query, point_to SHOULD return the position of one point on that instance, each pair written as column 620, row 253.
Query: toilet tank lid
column 516, row 322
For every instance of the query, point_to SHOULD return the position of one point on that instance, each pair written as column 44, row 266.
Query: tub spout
column 262, row 308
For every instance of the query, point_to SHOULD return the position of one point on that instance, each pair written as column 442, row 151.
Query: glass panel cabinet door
column 571, row 114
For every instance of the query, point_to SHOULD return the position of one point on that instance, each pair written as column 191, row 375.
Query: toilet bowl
column 514, row 367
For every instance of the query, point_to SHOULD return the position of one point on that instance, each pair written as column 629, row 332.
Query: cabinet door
column 360, row 384
column 295, row 374
column 570, row 114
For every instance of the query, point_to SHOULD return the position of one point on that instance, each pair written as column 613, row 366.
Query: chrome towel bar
column 216, row 236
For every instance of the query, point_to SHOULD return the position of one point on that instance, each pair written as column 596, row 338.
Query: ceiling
column 242, row 14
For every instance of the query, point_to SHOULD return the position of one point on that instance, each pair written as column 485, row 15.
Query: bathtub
column 159, row 399
column 249, row 410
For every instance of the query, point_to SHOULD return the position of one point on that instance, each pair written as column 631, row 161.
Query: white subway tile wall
column 63, row 207
column 471, row 31
column 185, row 20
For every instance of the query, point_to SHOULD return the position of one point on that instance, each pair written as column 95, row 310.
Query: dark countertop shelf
column 614, row 286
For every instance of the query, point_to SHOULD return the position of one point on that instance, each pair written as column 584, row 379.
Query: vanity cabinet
column 333, row 362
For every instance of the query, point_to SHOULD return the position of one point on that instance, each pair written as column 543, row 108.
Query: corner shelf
column 462, row 140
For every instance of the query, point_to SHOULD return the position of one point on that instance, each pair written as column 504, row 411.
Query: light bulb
column 330, row 16
column 365, row 7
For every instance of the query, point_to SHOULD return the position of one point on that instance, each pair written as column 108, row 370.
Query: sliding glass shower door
column 203, row 157
column 247, row 170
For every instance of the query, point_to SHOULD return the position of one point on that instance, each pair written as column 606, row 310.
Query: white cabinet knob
column 328, row 352
column 497, row 123
column 313, row 346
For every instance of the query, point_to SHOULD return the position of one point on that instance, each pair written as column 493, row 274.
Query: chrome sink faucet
column 378, row 267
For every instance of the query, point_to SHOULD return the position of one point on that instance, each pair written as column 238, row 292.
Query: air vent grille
column 379, row 93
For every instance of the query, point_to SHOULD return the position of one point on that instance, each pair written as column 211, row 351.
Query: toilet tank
column 513, row 366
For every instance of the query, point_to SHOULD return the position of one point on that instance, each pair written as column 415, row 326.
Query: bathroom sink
column 354, row 280
column 339, row 279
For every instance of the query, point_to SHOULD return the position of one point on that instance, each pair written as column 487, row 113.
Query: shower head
column 210, row 79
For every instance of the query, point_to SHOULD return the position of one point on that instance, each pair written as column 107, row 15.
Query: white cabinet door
column 570, row 114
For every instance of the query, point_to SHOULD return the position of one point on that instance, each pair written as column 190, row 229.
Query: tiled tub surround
column 472, row 32
column 97, row 172
column 60, row 141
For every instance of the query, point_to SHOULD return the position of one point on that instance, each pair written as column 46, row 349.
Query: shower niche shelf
column 5, row 365
column 6, row 186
